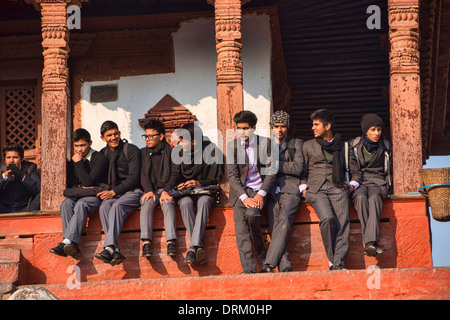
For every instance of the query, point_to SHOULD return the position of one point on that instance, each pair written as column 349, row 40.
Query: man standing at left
column 20, row 184
column 87, row 169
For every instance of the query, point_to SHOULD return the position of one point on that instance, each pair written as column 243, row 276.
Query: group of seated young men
column 263, row 173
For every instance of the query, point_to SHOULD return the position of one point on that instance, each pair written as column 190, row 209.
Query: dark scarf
column 335, row 148
column 369, row 144
column 112, row 157
column 194, row 169
column 165, row 169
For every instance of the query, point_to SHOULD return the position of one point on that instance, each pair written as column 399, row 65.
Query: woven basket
column 438, row 197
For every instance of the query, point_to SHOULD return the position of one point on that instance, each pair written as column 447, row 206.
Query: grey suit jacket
column 372, row 171
column 290, row 165
column 317, row 168
column 237, row 166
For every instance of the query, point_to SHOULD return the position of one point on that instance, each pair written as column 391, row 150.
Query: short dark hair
column 246, row 117
column 12, row 146
column 108, row 125
column 81, row 134
column 325, row 116
column 156, row 125
column 193, row 130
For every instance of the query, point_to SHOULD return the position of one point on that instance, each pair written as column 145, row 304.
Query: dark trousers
column 281, row 213
column 247, row 224
column 368, row 202
column 331, row 206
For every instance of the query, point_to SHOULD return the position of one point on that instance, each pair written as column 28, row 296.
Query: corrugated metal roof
column 334, row 61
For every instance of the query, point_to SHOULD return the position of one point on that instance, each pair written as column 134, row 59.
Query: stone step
column 375, row 283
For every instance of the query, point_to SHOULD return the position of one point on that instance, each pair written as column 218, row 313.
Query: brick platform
column 404, row 230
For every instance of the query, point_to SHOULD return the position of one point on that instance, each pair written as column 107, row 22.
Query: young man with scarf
column 87, row 168
column 324, row 187
column 284, row 197
column 123, row 178
column 370, row 154
column 202, row 166
column 251, row 175
column 158, row 176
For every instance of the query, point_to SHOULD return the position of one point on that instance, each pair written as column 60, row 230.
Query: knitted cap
column 370, row 120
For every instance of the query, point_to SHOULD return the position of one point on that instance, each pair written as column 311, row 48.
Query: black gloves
column 17, row 172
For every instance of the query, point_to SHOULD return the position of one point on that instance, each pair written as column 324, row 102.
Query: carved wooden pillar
column 405, row 95
column 55, row 103
column 229, row 64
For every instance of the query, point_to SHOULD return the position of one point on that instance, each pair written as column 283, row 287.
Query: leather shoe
column 370, row 249
column 72, row 250
column 190, row 257
column 104, row 255
column 171, row 251
column 266, row 269
column 117, row 258
column 201, row 256
column 147, row 250
column 59, row 250
column 339, row 267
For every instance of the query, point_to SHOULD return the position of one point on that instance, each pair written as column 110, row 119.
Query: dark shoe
column 117, row 258
column 339, row 267
column 379, row 250
column 104, row 255
column 266, row 269
column 370, row 249
column 72, row 250
column 201, row 256
column 171, row 251
column 59, row 250
column 147, row 250
column 190, row 257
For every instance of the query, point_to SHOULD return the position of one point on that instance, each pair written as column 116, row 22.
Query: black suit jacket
column 18, row 192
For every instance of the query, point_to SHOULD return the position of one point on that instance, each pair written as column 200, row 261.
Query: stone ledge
column 386, row 284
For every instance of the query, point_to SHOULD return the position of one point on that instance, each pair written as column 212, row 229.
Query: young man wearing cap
column 324, row 187
column 285, row 196
column 370, row 154
column 251, row 176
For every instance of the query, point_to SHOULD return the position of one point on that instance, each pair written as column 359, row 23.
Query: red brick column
column 405, row 95
column 55, row 103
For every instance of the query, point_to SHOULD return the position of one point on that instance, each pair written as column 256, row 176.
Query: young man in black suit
column 87, row 169
column 251, row 175
column 20, row 184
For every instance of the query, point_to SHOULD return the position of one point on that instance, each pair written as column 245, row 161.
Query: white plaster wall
column 193, row 83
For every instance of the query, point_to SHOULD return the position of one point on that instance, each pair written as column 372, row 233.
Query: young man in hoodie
column 202, row 166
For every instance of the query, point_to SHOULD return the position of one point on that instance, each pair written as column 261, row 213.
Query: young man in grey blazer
column 324, row 187
column 251, row 176
column 370, row 154
column 284, row 197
